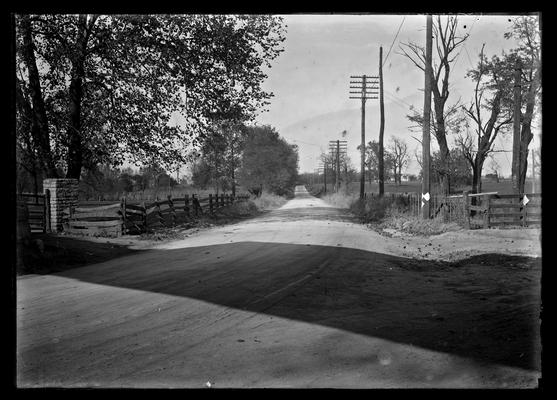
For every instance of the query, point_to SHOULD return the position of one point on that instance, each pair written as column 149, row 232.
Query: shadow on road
column 486, row 308
column 47, row 253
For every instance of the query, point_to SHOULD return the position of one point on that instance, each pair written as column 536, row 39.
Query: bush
column 340, row 199
column 418, row 226
column 371, row 209
column 242, row 208
column 268, row 201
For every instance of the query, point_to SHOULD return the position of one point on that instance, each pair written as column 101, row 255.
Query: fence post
column 187, row 205
column 210, row 203
column 123, row 216
column 144, row 215
column 172, row 211
column 158, row 208
column 47, row 227
column 466, row 199
column 523, row 210
column 486, row 212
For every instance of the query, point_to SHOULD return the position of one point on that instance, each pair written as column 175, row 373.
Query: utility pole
column 366, row 92
column 338, row 165
column 516, row 129
column 325, row 177
column 381, row 163
column 426, row 209
column 336, row 148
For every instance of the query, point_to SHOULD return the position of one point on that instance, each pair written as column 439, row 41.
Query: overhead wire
column 390, row 48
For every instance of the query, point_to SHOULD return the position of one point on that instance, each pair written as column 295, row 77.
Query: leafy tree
column 398, row 156
column 124, row 183
column 459, row 170
column 372, row 160
column 201, row 174
column 140, row 182
column 268, row 161
column 101, row 88
column 221, row 151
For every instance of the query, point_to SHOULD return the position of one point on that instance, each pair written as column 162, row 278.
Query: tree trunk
column 381, row 127
column 477, row 176
column 526, row 135
column 75, row 146
column 233, row 162
column 39, row 125
column 444, row 175
column 441, row 136
column 75, row 153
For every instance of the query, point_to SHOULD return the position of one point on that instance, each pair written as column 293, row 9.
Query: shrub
column 340, row 199
column 268, row 201
column 371, row 209
column 418, row 226
column 241, row 208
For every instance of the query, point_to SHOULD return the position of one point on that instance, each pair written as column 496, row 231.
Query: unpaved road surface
column 299, row 297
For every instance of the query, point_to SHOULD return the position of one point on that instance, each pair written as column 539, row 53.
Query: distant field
column 502, row 187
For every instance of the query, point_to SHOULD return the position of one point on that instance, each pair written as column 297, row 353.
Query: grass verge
column 386, row 213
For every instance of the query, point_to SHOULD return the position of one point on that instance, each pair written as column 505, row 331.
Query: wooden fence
column 410, row 203
column 38, row 210
column 492, row 209
column 474, row 210
column 129, row 218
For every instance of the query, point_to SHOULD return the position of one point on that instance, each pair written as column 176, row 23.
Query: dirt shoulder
column 460, row 244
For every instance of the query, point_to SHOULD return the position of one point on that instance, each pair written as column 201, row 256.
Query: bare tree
column 478, row 145
column 398, row 152
column 446, row 42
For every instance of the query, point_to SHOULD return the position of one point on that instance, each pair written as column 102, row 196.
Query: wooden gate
column 38, row 210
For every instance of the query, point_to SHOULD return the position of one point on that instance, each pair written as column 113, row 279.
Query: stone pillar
column 63, row 194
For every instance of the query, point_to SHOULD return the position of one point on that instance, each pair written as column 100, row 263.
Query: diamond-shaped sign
column 525, row 200
column 425, row 196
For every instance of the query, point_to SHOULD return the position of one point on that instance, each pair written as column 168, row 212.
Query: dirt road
column 300, row 297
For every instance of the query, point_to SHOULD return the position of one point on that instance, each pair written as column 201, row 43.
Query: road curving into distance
column 299, row 297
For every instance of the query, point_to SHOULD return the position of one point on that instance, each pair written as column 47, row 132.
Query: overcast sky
column 310, row 78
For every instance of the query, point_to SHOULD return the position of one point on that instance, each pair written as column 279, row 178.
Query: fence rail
column 38, row 210
column 503, row 209
column 474, row 210
column 123, row 218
